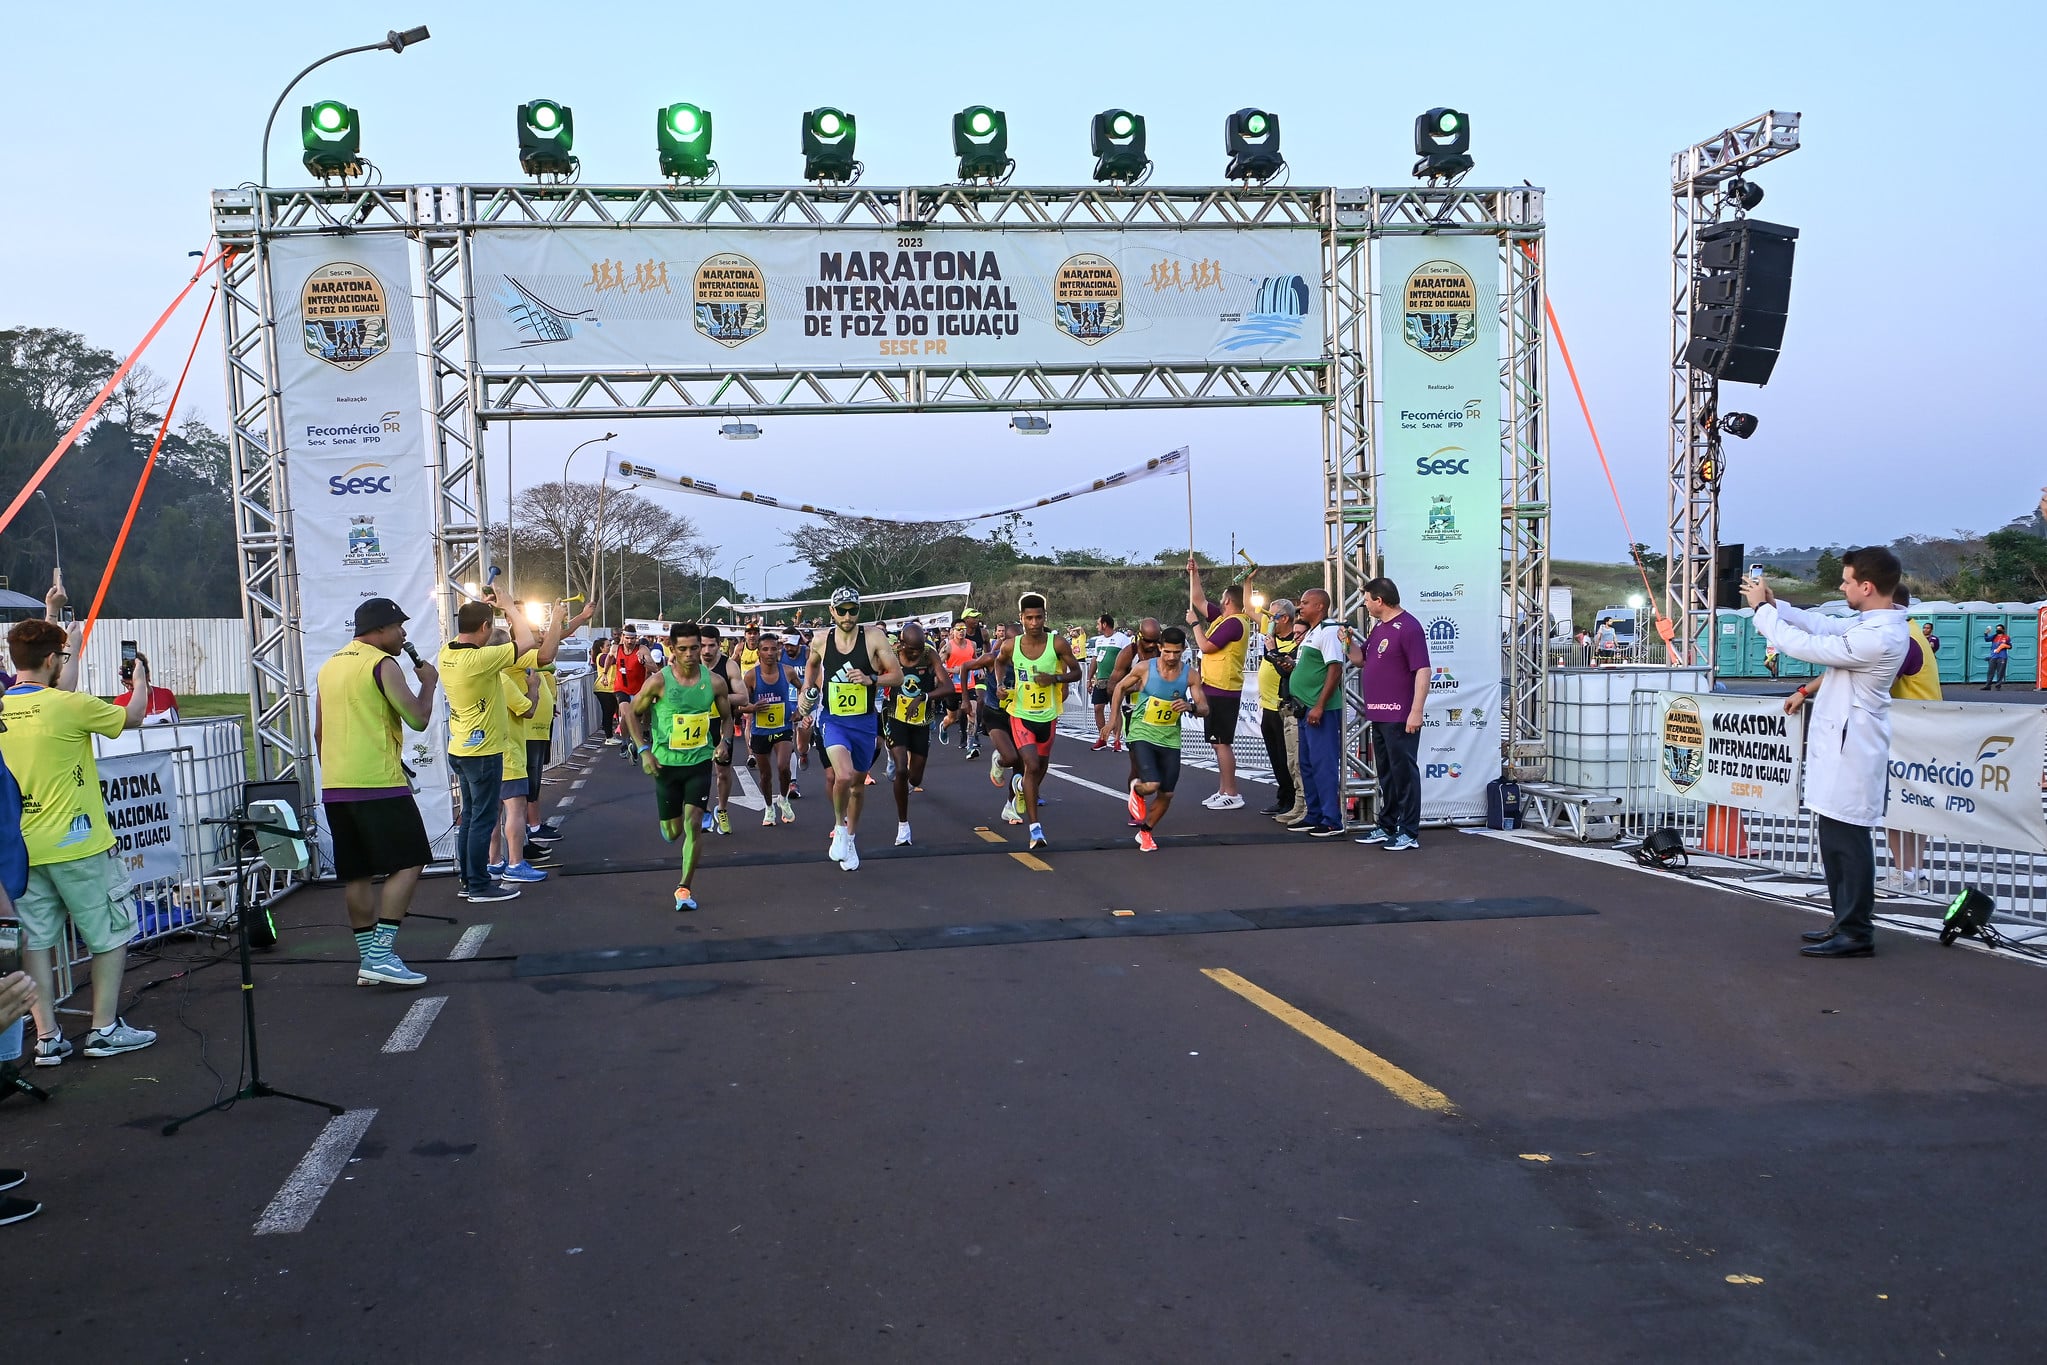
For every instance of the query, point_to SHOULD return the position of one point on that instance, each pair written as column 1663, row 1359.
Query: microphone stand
column 256, row 1088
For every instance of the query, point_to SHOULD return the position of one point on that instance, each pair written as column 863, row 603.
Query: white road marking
column 299, row 1198
column 1058, row 770
column 748, row 794
column 565, row 802
column 578, row 784
column 411, row 1030
column 470, row 943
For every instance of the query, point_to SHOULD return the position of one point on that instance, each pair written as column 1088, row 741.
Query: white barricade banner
column 354, row 444
column 710, row 298
column 1730, row 750
column 1439, row 496
column 1968, row 773
column 141, row 792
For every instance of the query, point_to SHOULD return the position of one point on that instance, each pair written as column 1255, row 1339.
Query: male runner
column 685, row 699
column 748, row 658
column 769, row 696
column 795, row 655
column 710, row 650
column 1145, row 646
column 846, row 664
column 1222, row 634
column 1044, row 663
column 1101, row 661
column 960, row 651
column 997, row 672
column 909, row 719
column 632, row 669
column 1161, row 691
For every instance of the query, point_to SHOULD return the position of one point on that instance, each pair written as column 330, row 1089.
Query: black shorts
column 516, row 788
column 719, row 754
column 993, row 719
column 536, row 761
column 377, row 837
column 1221, row 726
column 765, row 744
column 906, row 735
column 1098, row 697
column 678, row 786
column 1156, row 763
column 952, row 701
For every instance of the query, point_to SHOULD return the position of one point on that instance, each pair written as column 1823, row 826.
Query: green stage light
column 332, row 134
column 1251, row 141
column 1442, row 144
column 682, row 132
column 980, row 139
column 547, row 136
column 828, row 144
column 1117, row 137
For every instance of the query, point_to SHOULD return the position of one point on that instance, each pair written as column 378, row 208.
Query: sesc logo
column 1453, row 771
column 1436, row 464
column 358, row 480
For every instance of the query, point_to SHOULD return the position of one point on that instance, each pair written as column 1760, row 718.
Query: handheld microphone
column 412, row 654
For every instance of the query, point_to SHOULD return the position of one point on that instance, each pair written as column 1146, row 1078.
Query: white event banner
column 1730, row 750
column 1439, row 496
column 719, row 298
column 354, row 445
column 1968, row 773
column 141, row 792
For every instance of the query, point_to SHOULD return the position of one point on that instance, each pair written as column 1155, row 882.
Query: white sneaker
column 117, row 1038
column 852, row 858
column 839, row 842
column 768, row 816
column 612, row 740
column 1211, row 800
column 903, row 834
column 1230, row 802
column 785, row 810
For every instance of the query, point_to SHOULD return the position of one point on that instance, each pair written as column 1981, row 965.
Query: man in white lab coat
column 1848, row 739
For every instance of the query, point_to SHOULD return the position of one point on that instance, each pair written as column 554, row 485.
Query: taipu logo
column 1442, row 680
column 356, row 481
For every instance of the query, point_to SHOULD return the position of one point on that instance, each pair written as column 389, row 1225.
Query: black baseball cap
column 377, row 613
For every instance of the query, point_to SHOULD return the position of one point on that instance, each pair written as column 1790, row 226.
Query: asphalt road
column 951, row 1107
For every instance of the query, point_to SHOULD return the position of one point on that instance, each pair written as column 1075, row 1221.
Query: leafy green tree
column 2011, row 568
column 1826, row 571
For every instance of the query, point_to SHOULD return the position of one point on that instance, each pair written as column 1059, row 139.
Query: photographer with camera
column 1276, row 712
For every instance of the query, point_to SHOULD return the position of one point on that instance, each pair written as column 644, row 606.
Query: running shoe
column 752, row 761
column 1037, row 836
column 523, row 871
column 1101, row 743
column 870, row 776
column 995, row 771
column 1016, row 803
column 1231, row 802
column 387, row 971
column 795, row 793
column 973, row 751
column 768, row 816
column 1374, row 835
column 1146, row 842
column 117, row 1038
column 710, row 822
column 1009, row 815
column 610, row 740
column 10, row 1178
column 1212, row 800
column 52, row 1051
column 784, row 809
column 683, row 900
column 495, row 869
column 14, row 1210
column 1326, row 832
column 724, row 821
column 891, row 768
column 1136, row 803
column 1401, row 843
column 539, row 853
column 903, row 834
column 944, row 735
column 838, row 848
column 546, row 829
column 851, row 860
column 494, row 893
column 1117, row 744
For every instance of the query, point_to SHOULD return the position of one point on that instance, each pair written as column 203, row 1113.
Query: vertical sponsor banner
column 1439, row 495
column 1968, row 773
column 1730, row 750
column 141, row 792
column 354, row 444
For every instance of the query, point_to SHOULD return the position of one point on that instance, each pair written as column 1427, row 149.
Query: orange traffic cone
column 1724, row 834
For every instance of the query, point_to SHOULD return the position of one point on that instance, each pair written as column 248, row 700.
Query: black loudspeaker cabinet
column 1740, row 298
column 1728, row 571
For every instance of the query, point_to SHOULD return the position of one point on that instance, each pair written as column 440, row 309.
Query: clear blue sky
column 1899, row 405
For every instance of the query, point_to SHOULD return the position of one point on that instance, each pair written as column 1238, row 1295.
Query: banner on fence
column 1439, row 496
column 141, row 792
column 355, row 448
column 1730, row 750
column 1968, row 773
column 845, row 298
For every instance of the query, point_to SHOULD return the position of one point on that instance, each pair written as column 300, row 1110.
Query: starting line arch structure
column 453, row 239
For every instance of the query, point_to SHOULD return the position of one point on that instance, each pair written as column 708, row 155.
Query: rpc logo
column 355, row 481
column 1449, row 770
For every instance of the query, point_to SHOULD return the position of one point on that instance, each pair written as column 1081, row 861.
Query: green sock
column 366, row 942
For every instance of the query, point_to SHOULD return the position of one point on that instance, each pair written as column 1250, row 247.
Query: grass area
column 202, row 705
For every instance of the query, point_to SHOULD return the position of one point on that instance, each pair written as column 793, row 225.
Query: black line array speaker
column 1740, row 296
column 1728, row 571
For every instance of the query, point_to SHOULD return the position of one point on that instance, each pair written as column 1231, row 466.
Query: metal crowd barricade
column 2016, row 880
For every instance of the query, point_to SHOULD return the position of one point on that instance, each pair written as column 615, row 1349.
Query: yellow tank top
column 1268, row 676
column 1925, row 684
column 358, row 724
column 1224, row 669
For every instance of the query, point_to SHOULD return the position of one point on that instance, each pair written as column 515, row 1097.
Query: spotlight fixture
column 398, row 42
column 1117, row 138
column 1251, row 140
column 1024, row 424
column 740, row 431
column 1966, row 916
column 828, row 137
column 332, row 134
column 1745, row 193
column 1663, row 849
column 1740, row 425
column 547, row 136
column 682, row 134
column 980, row 139
column 1442, row 144
column 1711, row 467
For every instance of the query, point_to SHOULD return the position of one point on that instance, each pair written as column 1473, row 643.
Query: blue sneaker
column 684, row 902
column 1374, row 835
column 523, row 871
column 495, row 869
column 1400, row 843
column 387, row 970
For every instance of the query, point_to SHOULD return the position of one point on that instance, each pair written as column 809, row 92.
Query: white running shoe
column 903, row 834
column 1230, row 802
column 1212, row 800
column 117, row 1038
column 785, row 810
column 852, row 858
column 768, row 816
column 839, row 842
column 995, row 770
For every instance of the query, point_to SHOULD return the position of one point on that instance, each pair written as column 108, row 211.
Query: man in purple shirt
column 1394, row 663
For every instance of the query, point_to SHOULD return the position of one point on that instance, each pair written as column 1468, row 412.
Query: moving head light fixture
column 1251, row 140
column 980, row 139
column 547, row 136
column 1117, row 140
column 1442, row 144
column 332, row 135
column 828, row 143
column 682, row 137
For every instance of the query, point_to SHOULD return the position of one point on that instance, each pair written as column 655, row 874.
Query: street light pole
column 56, row 545
column 735, row 584
column 394, row 41
column 567, row 587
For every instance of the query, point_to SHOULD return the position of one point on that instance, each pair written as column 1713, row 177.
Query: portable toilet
column 1982, row 621
column 1949, row 629
column 1730, row 644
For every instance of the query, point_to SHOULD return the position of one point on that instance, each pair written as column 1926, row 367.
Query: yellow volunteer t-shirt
column 540, row 725
column 48, row 747
column 516, row 707
column 476, row 698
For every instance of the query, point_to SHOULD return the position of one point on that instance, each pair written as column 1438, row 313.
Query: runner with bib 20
column 847, row 663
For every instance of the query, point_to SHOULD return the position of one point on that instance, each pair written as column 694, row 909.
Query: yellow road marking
column 990, row 835
column 1034, row 864
column 1406, row 1088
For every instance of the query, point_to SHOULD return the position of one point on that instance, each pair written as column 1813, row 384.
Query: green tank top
column 1151, row 707
column 1035, row 700
column 682, row 720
